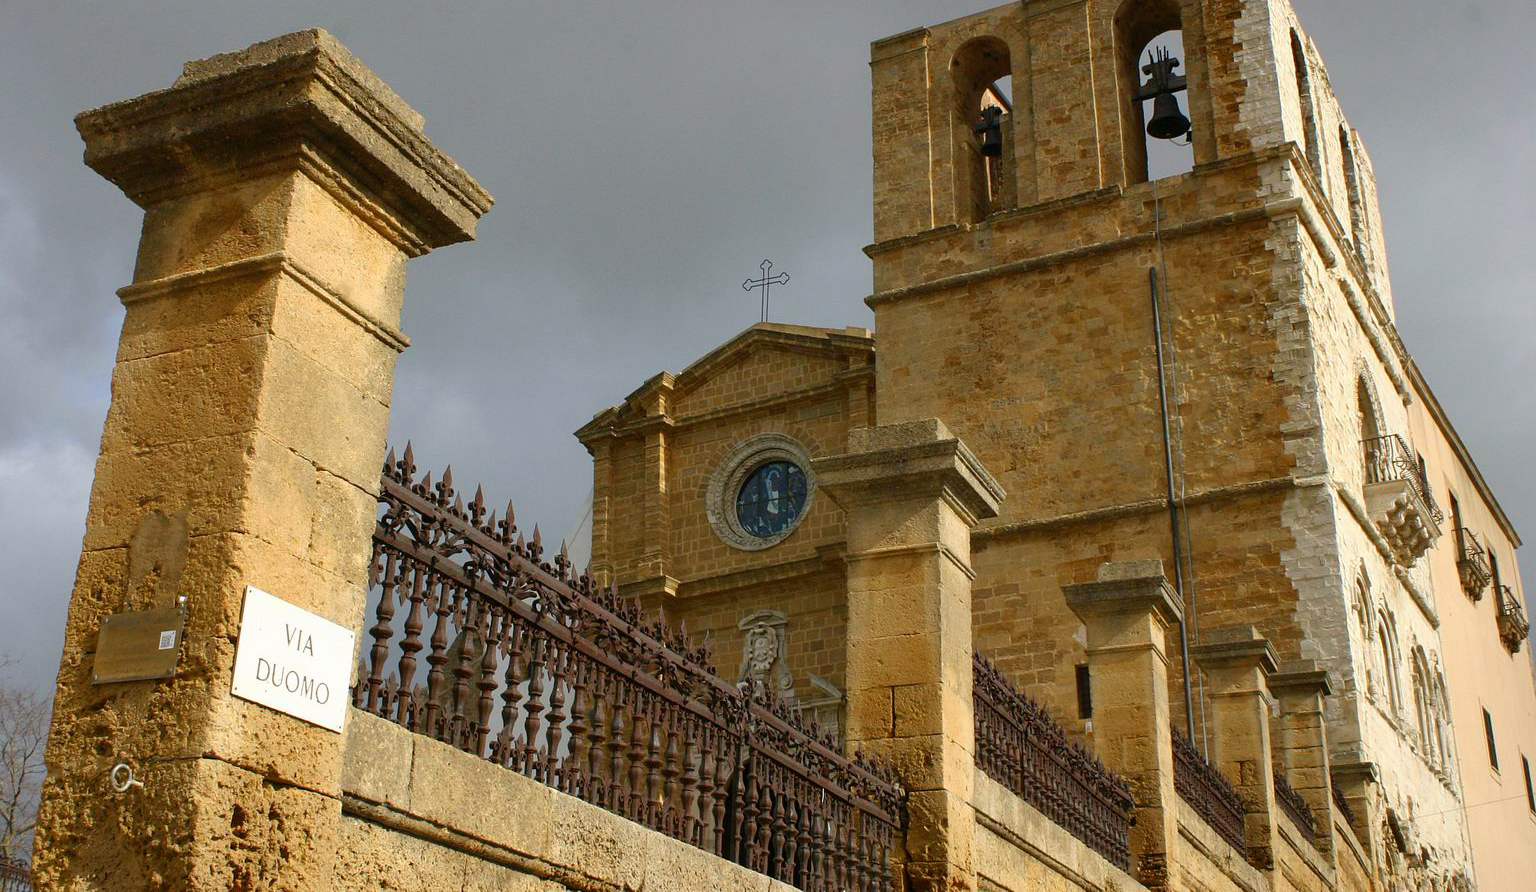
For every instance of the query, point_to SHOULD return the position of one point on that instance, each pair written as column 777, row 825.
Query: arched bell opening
column 983, row 129
column 1154, row 90
column 1311, row 140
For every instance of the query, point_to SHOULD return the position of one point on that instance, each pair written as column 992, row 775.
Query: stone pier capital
column 1237, row 653
column 1301, row 678
column 1127, row 587
column 297, row 101
column 912, row 460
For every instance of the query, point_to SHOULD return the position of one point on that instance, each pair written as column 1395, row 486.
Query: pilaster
column 284, row 187
column 1238, row 662
column 912, row 493
column 1128, row 612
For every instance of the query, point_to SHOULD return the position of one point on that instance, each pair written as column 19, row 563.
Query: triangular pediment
column 762, row 362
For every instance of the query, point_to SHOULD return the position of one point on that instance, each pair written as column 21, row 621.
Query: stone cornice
column 1127, row 587
column 300, row 101
column 1303, row 677
column 1237, row 647
column 897, row 461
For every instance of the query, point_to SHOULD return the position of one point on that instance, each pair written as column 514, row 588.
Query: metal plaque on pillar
column 138, row 645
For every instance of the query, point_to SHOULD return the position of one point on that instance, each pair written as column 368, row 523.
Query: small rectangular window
column 1084, row 694
column 1493, row 749
column 1530, row 795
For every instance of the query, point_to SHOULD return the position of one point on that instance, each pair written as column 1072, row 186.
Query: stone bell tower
column 1184, row 368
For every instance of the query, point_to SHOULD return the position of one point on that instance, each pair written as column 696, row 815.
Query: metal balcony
column 1397, row 498
column 1513, row 626
column 1472, row 564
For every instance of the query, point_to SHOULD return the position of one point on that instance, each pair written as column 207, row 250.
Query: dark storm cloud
column 645, row 158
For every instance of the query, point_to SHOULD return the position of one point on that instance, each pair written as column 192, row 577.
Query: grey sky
column 645, row 158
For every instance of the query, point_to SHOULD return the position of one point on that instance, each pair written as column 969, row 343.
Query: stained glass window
column 771, row 498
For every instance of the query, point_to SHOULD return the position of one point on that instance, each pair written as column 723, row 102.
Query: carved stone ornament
column 765, row 653
column 732, row 472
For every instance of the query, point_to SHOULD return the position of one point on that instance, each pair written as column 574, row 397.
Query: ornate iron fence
column 15, row 875
column 539, row 670
column 1020, row 747
column 1208, row 792
column 1388, row 458
column 1295, row 807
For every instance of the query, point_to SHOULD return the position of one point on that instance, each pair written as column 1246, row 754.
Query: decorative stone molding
column 748, row 456
column 765, row 653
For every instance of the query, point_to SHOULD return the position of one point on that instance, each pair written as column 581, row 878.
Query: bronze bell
column 1168, row 121
column 991, row 131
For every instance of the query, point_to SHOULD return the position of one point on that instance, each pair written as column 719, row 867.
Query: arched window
column 1423, row 707
column 1363, row 604
column 1370, row 427
column 1363, row 616
column 983, row 123
column 1146, row 30
column 1312, row 142
column 1387, row 633
column 1443, row 719
column 1352, row 187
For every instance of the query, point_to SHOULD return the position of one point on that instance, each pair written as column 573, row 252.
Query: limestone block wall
column 1204, row 862
column 421, row 815
column 1018, row 849
column 1047, row 364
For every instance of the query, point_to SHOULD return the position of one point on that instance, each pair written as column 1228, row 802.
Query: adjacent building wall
column 1481, row 673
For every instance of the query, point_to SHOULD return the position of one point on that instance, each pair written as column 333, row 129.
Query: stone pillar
column 1128, row 612
column 1359, row 784
column 912, row 493
column 1237, row 662
column 1301, row 740
column 283, row 188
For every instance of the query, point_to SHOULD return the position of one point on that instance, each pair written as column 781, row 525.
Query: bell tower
column 1153, row 368
column 1161, row 368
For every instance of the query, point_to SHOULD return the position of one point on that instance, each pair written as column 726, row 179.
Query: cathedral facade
column 1200, row 368
column 1129, row 551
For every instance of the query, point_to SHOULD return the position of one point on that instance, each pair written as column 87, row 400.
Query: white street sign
column 292, row 660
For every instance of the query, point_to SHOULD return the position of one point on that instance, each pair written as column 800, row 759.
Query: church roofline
column 799, row 337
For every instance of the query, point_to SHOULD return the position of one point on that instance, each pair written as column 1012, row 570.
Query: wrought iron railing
column 15, row 875
column 1472, row 564
column 1514, row 628
column 1388, row 459
column 1208, row 792
column 1295, row 808
column 1020, row 747
column 542, row 671
column 1342, row 804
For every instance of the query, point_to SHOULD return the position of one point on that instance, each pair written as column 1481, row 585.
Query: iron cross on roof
column 765, row 283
